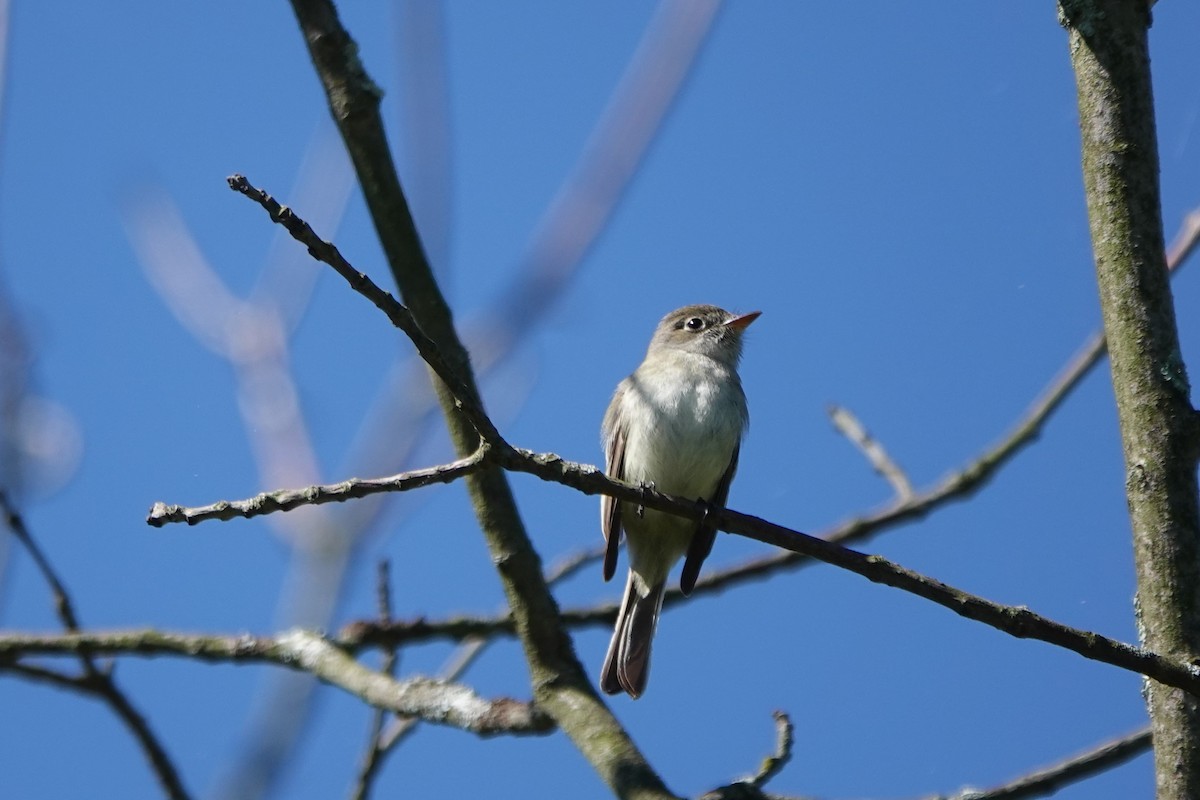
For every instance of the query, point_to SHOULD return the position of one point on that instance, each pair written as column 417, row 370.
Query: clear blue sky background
column 895, row 186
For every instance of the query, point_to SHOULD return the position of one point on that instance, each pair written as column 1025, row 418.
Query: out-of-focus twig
column 849, row 426
column 590, row 194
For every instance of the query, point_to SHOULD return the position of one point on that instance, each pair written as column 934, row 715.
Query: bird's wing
column 610, row 507
column 706, row 534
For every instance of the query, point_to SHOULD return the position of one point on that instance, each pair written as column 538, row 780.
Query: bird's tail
column 627, row 664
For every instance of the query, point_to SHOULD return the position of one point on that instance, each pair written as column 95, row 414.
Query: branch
column 430, row 700
column 1014, row 620
column 751, row 787
column 95, row 680
column 849, row 426
column 1047, row 781
column 465, row 398
column 385, row 741
column 1110, row 55
column 773, row 764
column 434, row 701
column 371, row 633
column 287, row 499
column 373, row 758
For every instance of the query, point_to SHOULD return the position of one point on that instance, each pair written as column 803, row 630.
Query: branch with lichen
column 438, row 702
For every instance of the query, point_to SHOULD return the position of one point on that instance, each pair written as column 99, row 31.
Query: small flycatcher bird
column 675, row 424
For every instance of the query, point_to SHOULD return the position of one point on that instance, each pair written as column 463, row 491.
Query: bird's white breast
column 691, row 413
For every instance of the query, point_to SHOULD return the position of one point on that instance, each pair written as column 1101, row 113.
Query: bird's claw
column 641, row 509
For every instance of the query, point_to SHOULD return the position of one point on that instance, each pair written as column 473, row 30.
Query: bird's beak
column 741, row 320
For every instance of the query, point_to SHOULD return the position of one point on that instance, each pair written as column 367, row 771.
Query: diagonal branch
column 965, row 481
column 1045, row 782
column 1014, row 620
column 849, row 426
column 465, row 398
column 95, row 680
column 435, row 701
column 431, row 700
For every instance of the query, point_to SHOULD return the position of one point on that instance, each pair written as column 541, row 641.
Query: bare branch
column 1047, row 781
column 95, row 680
column 773, row 764
column 468, row 652
column 751, row 788
column 434, row 701
column 848, row 425
column 400, row 316
column 287, row 499
column 1016, row 621
column 430, row 700
column 373, row 758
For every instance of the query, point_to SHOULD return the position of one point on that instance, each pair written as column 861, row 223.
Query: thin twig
column 434, row 701
column 773, row 764
column 1047, row 781
column 849, row 426
column 400, row 316
column 36, row 672
column 95, row 680
column 373, row 758
column 467, row 653
column 287, row 499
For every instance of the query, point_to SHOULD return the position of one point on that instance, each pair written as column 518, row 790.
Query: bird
column 676, row 424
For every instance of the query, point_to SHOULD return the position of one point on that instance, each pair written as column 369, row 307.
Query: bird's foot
column 641, row 509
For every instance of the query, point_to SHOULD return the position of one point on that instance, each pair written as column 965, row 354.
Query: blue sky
column 896, row 187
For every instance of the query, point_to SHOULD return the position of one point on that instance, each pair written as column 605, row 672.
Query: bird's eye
column 695, row 324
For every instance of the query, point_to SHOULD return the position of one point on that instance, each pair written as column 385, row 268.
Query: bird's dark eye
column 695, row 324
